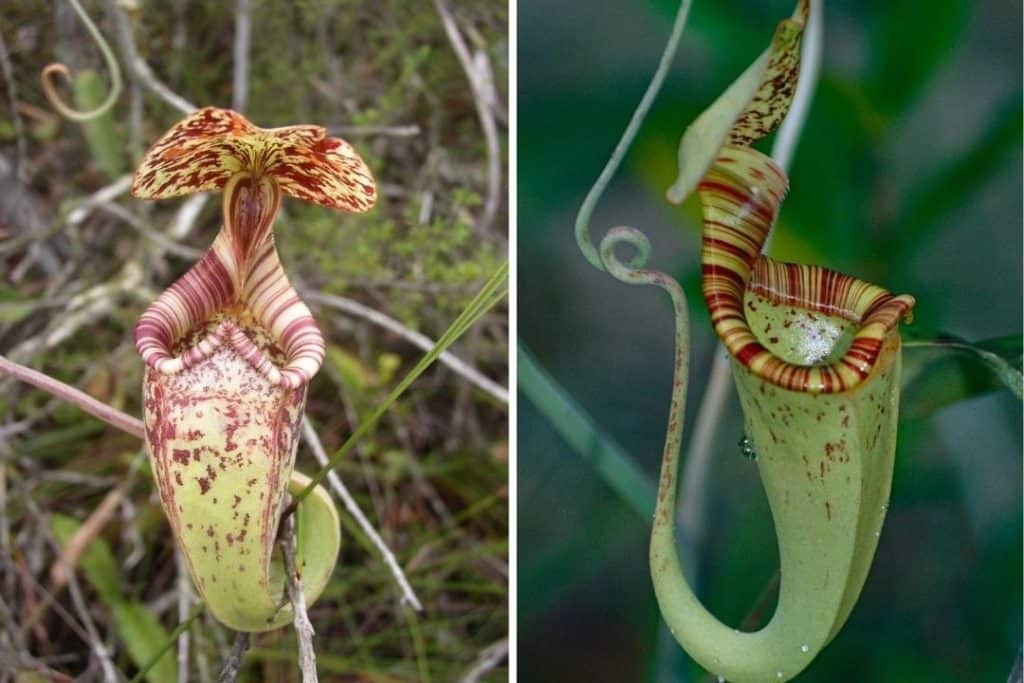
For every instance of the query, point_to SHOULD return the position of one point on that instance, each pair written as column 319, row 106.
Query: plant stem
column 240, row 74
column 233, row 664
column 300, row 620
column 481, row 82
column 98, row 409
column 138, row 69
column 108, row 56
column 1016, row 673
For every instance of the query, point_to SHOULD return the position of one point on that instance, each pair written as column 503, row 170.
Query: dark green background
column 908, row 175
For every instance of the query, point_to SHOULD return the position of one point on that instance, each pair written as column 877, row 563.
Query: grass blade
column 609, row 460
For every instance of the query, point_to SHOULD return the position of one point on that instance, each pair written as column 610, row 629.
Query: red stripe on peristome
column 304, row 326
column 754, row 241
column 742, row 198
column 712, row 271
column 861, row 372
column 868, row 345
column 827, row 377
column 719, row 188
column 725, row 305
column 730, row 314
column 744, row 255
column 275, row 308
column 746, row 353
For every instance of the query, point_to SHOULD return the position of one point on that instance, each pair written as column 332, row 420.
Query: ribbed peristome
column 740, row 196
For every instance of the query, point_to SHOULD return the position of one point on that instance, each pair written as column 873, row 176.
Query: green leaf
column 163, row 644
column 13, row 305
column 350, row 371
column 143, row 636
column 943, row 371
column 97, row 562
column 15, row 311
column 101, row 134
column 912, row 39
column 30, row 677
column 134, row 624
column 62, row 440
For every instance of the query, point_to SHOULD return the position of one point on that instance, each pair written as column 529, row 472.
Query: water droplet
column 877, row 534
column 779, row 674
column 805, row 647
column 747, row 448
column 720, row 678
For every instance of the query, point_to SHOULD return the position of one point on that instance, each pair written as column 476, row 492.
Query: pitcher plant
column 229, row 351
column 815, row 356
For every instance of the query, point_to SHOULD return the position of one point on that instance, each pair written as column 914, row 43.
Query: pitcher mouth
column 802, row 328
column 263, row 319
column 808, row 328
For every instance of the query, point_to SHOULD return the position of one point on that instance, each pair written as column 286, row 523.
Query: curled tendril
column 626, row 271
column 51, row 70
column 632, row 270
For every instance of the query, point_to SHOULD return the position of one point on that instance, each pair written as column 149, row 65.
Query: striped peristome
column 265, row 296
column 219, row 149
column 740, row 197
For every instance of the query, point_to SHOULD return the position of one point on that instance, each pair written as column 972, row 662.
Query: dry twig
column 91, row 634
column 138, row 69
column 489, row 659
column 233, row 663
column 104, row 195
column 393, row 131
column 79, row 542
column 481, row 81
column 300, row 617
column 243, row 31
column 12, row 100
column 98, row 409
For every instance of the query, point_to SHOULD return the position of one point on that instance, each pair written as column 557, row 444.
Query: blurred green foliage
column 907, row 175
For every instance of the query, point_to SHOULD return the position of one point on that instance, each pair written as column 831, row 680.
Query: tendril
column 625, row 271
column 582, row 227
column 632, row 272
column 51, row 70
